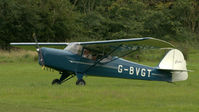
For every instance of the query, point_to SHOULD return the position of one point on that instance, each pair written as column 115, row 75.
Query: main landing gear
column 66, row 76
column 80, row 80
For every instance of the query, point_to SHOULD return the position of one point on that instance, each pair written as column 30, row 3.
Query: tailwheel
column 81, row 82
column 56, row 81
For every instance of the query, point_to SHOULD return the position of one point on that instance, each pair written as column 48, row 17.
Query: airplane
column 105, row 59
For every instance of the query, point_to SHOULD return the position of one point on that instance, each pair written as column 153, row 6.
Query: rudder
column 174, row 61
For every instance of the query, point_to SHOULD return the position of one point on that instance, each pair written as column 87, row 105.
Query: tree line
column 83, row 20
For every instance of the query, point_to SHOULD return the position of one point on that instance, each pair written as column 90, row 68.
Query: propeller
column 39, row 51
column 35, row 38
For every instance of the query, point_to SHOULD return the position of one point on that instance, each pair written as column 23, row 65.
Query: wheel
column 56, row 81
column 81, row 82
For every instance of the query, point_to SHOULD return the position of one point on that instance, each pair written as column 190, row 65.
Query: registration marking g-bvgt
column 135, row 71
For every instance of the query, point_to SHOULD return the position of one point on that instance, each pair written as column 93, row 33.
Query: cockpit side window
column 107, row 59
column 89, row 54
column 95, row 55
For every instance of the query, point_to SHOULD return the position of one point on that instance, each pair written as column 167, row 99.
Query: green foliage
column 82, row 20
column 50, row 20
column 126, row 19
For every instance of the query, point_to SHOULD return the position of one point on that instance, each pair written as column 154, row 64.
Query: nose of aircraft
column 54, row 58
column 40, row 57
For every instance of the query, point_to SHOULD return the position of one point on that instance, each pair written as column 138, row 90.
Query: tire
column 81, row 82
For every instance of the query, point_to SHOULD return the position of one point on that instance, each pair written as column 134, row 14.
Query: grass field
column 24, row 87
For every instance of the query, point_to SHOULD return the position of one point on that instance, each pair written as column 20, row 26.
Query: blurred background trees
column 83, row 20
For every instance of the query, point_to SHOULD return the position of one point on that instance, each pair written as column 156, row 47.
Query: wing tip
column 168, row 43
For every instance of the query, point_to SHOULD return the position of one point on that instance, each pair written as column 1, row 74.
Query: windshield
column 74, row 48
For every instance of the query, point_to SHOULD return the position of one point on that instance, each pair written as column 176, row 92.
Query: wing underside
column 123, row 47
column 146, row 41
column 107, row 50
column 31, row 45
column 115, row 47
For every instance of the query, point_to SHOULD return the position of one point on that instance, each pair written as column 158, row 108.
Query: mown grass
column 17, row 56
column 25, row 87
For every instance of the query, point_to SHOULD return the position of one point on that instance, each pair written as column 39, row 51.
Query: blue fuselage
column 63, row 60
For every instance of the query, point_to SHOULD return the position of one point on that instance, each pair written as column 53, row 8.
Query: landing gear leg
column 64, row 77
column 80, row 80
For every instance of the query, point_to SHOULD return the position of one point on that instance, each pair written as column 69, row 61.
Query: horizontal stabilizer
column 176, row 70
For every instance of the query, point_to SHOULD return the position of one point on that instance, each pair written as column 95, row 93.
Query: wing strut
column 105, row 56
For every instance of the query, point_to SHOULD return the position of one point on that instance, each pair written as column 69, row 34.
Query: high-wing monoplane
column 105, row 59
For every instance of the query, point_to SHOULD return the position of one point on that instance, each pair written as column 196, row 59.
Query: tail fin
column 174, row 61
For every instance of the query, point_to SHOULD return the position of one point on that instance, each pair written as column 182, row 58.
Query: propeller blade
column 35, row 38
column 38, row 50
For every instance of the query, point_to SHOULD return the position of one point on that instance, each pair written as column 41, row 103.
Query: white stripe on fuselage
column 86, row 63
